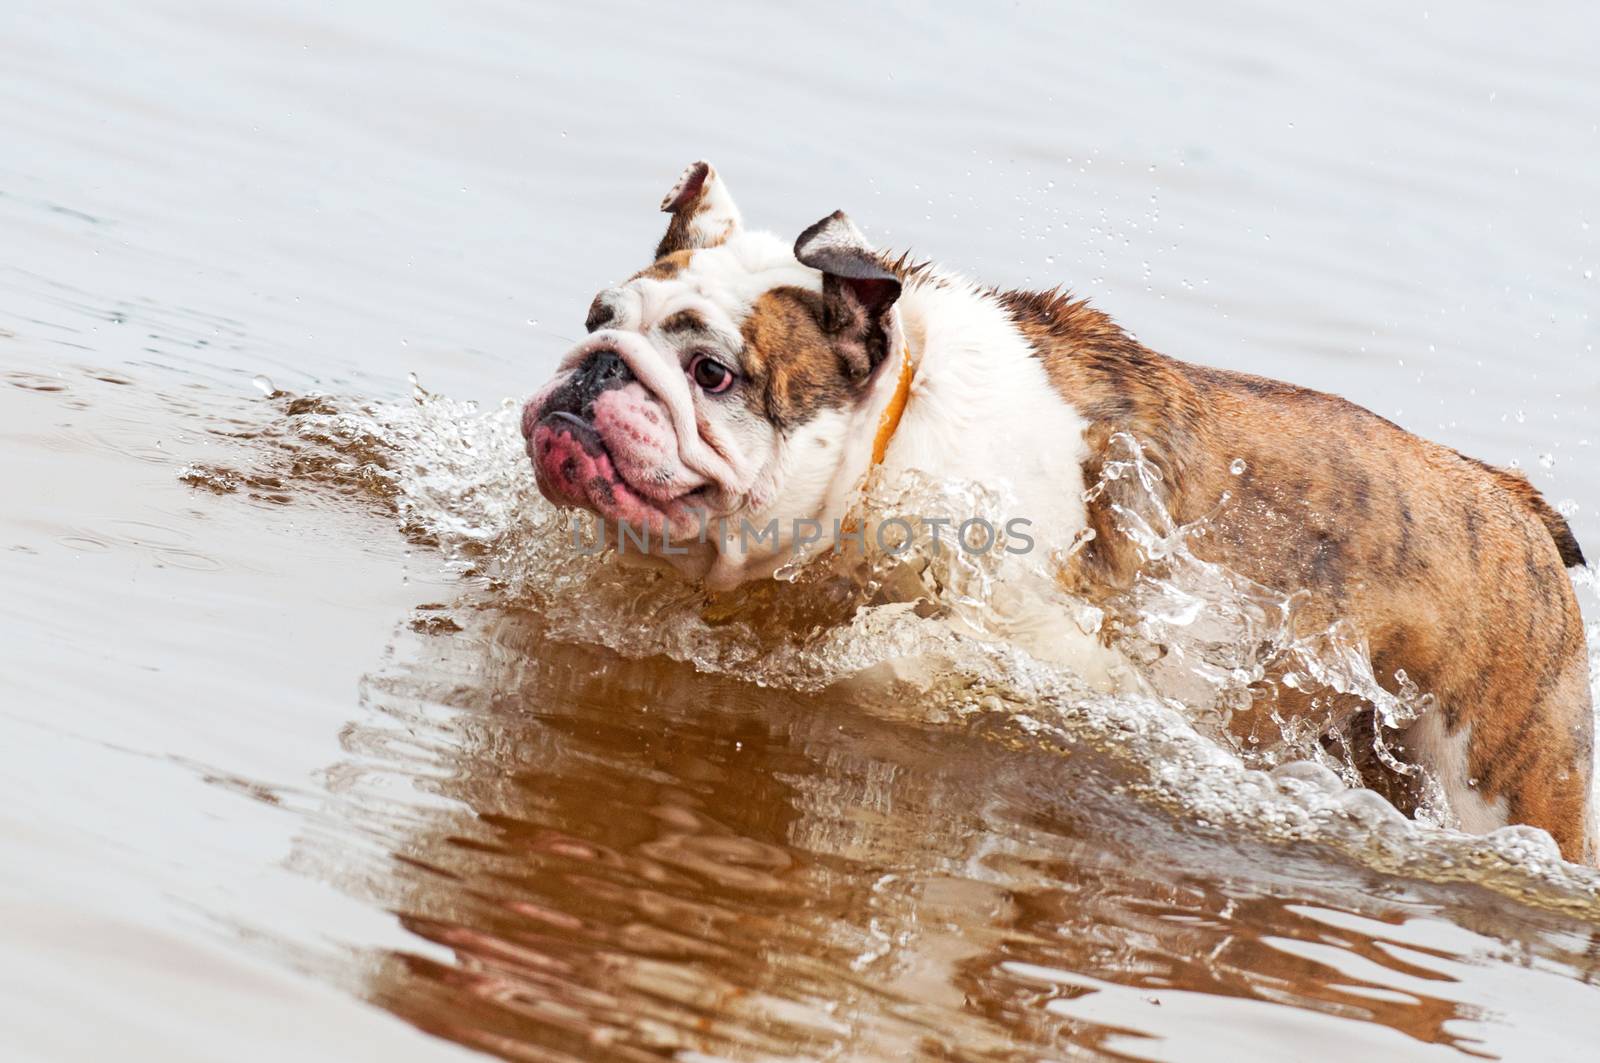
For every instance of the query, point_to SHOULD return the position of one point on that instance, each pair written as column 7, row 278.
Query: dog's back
column 1452, row 570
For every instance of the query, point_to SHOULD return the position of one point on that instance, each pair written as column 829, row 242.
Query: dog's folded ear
column 703, row 213
column 858, row 291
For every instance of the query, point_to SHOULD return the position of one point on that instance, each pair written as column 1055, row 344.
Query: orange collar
column 896, row 408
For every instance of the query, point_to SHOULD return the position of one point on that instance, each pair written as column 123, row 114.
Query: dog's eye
column 712, row 376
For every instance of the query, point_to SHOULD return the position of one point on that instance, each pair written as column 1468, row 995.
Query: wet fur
column 1452, row 570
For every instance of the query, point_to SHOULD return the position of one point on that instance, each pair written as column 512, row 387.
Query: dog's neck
column 980, row 408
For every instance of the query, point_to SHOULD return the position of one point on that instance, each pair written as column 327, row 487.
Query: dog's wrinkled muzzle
column 601, row 438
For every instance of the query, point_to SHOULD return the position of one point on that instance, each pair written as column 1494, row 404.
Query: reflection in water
column 631, row 860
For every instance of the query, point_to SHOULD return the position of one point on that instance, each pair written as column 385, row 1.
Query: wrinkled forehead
column 718, row 285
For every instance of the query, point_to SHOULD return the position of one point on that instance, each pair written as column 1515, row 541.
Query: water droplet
column 1547, row 460
column 263, row 384
column 1238, row 467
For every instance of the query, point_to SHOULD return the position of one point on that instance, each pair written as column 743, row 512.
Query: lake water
column 312, row 751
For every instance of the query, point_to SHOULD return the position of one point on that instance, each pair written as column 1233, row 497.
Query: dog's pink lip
column 573, row 466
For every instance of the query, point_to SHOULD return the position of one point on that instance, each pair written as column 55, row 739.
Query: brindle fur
column 1452, row 570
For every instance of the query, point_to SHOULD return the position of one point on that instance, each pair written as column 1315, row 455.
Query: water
column 312, row 744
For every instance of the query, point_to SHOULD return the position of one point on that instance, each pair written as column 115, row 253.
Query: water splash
column 1223, row 647
column 1216, row 644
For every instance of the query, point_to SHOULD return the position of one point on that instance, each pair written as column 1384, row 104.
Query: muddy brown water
column 283, row 776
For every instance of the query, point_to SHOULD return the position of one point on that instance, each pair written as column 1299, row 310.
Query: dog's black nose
column 595, row 375
column 602, row 371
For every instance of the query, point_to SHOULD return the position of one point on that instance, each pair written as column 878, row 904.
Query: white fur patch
column 983, row 409
column 795, row 487
column 719, row 283
column 1446, row 756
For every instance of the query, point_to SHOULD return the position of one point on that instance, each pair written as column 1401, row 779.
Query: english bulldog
column 740, row 377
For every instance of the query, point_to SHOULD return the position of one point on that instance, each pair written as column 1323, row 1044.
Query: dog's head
column 730, row 382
